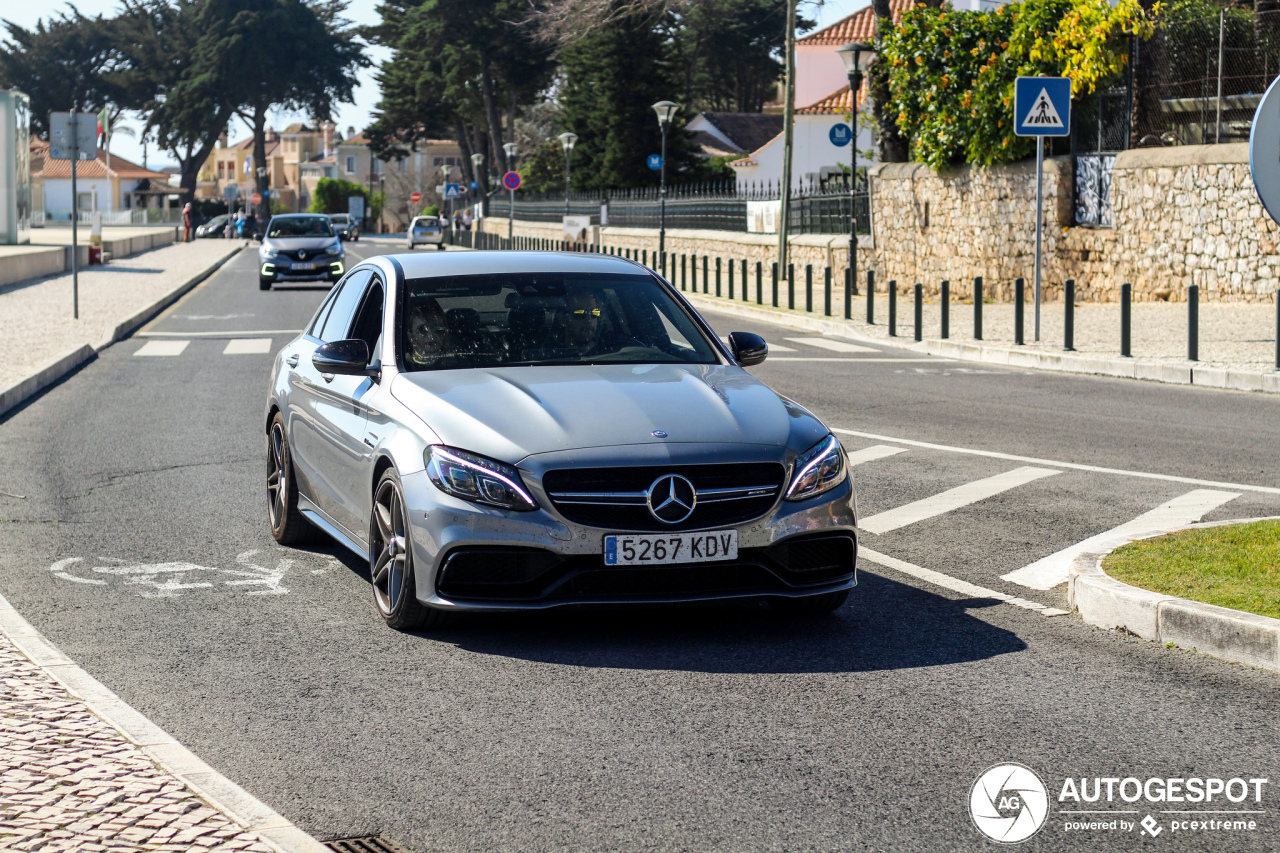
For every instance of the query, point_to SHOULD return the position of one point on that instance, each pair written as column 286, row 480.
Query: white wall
column 812, row 149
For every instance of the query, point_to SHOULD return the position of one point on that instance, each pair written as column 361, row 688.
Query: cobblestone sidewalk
column 70, row 783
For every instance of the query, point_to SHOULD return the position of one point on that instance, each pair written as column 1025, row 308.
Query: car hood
column 292, row 244
column 509, row 413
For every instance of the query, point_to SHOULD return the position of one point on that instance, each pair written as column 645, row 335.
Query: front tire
column 391, row 561
column 811, row 605
column 264, row 283
column 288, row 525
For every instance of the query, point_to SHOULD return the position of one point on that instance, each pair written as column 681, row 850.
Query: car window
column 339, row 218
column 344, row 307
column 300, row 226
column 546, row 318
column 368, row 323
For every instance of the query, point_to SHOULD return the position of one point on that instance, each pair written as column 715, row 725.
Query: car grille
column 532, row 575
column 615, row 498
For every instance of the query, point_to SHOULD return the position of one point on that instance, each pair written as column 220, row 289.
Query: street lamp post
column 567, row 140
column 851, row 53
column 510, row 148
column 665, row 110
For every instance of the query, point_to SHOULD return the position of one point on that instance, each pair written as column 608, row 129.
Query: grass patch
column 1234, row 565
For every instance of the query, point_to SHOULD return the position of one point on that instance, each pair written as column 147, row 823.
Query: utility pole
column 788, row 133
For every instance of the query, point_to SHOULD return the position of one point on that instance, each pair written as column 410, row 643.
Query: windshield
column 300, row 226
column 546, row 318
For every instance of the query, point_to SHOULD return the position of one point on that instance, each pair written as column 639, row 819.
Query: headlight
column 477, row 479
column 819, row 469
column 335, row 249
column 268, row 253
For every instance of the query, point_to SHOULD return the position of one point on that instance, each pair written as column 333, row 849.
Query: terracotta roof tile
column 860, row 26
column 837, row 103
column 89, row 169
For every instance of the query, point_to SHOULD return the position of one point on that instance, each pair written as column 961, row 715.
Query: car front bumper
column 472, row 557
column 277, row 269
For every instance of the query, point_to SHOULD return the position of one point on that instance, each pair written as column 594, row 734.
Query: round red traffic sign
column 511, row 180
column 414, row 198
column 256, row 198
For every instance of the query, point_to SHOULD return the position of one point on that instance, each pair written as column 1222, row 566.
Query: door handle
column 292, row 360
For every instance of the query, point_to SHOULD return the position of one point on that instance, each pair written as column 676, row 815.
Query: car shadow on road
column 885, row 625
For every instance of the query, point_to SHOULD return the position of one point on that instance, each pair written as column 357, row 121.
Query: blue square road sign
column 1042, row 106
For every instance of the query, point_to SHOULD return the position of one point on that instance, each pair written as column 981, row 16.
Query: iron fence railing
column 817, row 207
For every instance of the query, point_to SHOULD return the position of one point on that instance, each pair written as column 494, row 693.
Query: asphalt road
column 684, row 729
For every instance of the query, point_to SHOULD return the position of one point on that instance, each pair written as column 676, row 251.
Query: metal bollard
column 871, row 297
column 1126, row 292
column 944, row 299
column 808, row 288
column 693, row 273
column 977, row 307
column 1069, row 315
column 775, row 284
column 745, row 297
column 684, row 272
column 893, row 308
column 791, row 287
column 1193, row 323
column 919, row 298
column 1019, row 294
column 706, row 279
column 848, row 293
column 664, row 264
column 731, row 265
column 759, row 283
column 717, row 276
column 826, row 291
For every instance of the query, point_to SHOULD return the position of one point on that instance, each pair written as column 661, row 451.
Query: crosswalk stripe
column 834, row 346
column 1186, row 509
column 872, row 453
column 952, row 499
column 247, row 346
column 162, row 348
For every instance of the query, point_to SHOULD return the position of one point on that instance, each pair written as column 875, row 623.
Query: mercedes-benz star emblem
column 671, row 499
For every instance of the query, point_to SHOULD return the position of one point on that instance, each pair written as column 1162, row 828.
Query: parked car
column 214, row 227
column 299, row 247
column 347, row 228
column 520, row 430
column 426, row 230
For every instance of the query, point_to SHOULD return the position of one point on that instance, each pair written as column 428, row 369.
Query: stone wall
column 1183, row 215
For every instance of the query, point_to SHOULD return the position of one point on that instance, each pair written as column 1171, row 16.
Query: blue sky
column 366, row 97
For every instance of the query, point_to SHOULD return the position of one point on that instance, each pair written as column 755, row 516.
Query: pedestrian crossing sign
column 1042, row 106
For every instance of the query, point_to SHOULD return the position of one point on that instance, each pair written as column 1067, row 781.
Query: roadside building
column 233, row 164
column 122, row 189
column 421, row 170
column 721, row 134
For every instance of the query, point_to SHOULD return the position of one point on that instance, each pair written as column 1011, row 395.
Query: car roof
column 430, row 265
column 301, row 216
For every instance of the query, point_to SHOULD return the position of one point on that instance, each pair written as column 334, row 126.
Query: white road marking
column 170, row 580
column 162, row 348
column 834, row 346
column 1186, row 509
column 247, row 346
column 952, row 499
column 853, row 359
column 955, row 584
column 872, row 453
column 1009, row 457
column 244, row 333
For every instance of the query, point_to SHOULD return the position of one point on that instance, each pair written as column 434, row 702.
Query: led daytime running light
column 819, row 455
column 443, row 453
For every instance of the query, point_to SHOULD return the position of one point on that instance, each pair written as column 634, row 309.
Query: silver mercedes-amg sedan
column 517, row 430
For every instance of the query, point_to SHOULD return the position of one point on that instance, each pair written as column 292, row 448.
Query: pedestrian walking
column 466, row 220
column 186, row 223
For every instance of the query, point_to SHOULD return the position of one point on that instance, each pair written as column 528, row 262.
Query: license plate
column 656, row 549
column 297, row 266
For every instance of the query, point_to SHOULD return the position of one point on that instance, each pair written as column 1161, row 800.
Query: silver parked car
column 516, row 430
column 299, row 247
column 425, row 231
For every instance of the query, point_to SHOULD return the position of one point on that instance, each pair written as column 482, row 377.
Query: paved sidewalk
column 36, row 326
column 70, row 782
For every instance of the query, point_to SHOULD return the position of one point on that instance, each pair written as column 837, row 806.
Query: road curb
column 1173, row 373
column 52, row 373
column 1232, row 635
column 215, row 789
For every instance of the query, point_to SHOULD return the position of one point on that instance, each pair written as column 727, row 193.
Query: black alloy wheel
column 288, row 525
column 391, row 561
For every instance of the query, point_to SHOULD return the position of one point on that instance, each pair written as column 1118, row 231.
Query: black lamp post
column 567, row 140
column 851, row 53
column 510, row 148
column 665, row 111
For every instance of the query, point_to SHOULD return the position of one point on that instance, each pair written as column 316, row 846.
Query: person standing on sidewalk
column 186, row 223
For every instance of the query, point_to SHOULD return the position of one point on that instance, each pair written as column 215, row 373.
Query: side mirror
column 257, row 235
column 347, row 358
column 748, row 349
